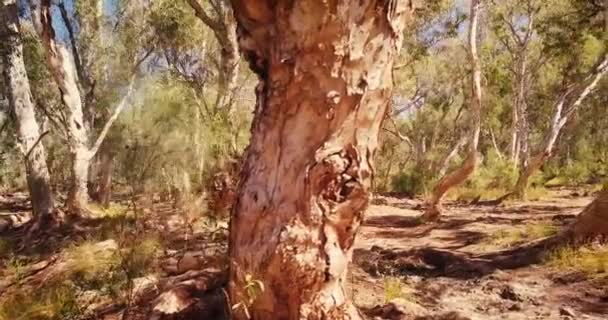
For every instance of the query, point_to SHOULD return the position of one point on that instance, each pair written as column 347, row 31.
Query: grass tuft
column 530, row 232
column 590, row 260
column 395, row 288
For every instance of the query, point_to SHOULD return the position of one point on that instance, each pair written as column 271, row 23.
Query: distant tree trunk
column 462, row 173
column 325, row 84
column 514, row 147
column 64, row 73
column 566, row 105
column 445, row 164
column 519, row 104
column 20, row 101
column 495, row 145
column 103, row 190
column 223, row 25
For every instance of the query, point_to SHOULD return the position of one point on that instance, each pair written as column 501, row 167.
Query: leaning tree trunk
column 567, row 104
column 462, row 173
column 20, row 101
column 325, row 83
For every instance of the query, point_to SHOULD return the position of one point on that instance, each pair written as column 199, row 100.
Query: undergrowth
column 97, row 270
column 530, row 232
column 592, row 260
column 395, row 288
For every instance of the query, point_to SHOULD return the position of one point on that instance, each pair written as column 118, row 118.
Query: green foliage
column 413, row 183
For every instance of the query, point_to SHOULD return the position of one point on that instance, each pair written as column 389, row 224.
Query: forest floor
column 162, row 264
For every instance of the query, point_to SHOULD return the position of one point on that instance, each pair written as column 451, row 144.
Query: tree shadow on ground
column 432, row 262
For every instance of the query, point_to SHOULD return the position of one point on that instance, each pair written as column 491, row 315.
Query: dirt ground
column 451, row 269
column 447, row 267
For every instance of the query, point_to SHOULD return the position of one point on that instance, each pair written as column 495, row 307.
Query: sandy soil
column 447, row 267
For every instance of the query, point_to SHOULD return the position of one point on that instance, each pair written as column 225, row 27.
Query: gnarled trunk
column 20, row 101
column 462, row 173
column 325, row 84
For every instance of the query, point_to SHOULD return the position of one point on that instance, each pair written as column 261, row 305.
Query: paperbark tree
column 22, row 106
column 63, row 70
column 468, row 166
column 324, row 87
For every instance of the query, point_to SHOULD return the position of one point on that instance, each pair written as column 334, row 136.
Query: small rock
column 567, row 311
column 174, row 301
column 188, row 262
column 515, row 307
column 379, row 201
column 509, row 294
column 144, row 286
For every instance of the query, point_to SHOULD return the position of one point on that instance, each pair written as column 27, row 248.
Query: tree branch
column 27, row 154
column 205, row 18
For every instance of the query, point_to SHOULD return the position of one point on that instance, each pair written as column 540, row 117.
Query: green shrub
column 413, row 183
column 576, row 173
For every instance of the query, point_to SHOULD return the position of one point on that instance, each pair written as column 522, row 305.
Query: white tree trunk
column 20, row 101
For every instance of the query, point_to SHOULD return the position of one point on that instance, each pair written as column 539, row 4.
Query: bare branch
column 205, row 18
column 27, row 154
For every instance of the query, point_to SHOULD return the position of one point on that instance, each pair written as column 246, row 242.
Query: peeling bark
column 462, row 173
column 325, row 84
column 21, row 103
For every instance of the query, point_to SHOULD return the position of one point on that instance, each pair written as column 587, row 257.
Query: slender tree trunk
column 461, row 174
column 514, row 148
column 20, row 101
column 445, row 164
column 523, row 152
column 495, row 145
column 325, row 84
column 105, row 170
column 229, row 61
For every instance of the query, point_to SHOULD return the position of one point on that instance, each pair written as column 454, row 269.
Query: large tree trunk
column 325, row 84
column 20, row 101
column 64, row 73
column 593, row 221
column 462, row 173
